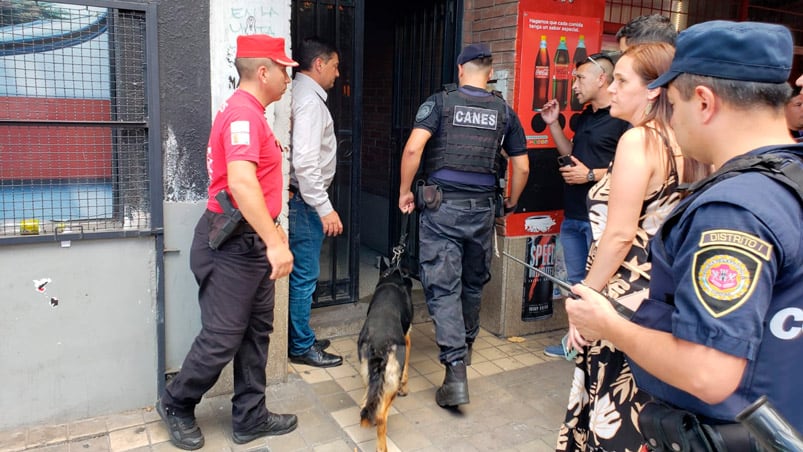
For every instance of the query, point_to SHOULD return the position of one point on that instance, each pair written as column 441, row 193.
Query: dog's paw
column 402, row 392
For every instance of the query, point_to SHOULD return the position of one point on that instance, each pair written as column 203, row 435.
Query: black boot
column 469, row 350
column 455, row 386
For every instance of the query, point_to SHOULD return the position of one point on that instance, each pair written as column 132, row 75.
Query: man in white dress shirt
column 312, row 169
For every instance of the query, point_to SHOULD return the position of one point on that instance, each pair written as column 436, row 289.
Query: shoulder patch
column 424, row 110
column 240, row 133
column 724, row 277
column 738, row 239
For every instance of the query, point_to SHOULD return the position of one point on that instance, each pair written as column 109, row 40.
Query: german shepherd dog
column 384, row 350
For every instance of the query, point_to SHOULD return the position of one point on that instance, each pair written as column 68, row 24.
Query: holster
column 668, row 429
column 428, row 196
column 223, row 225
column 499, row 205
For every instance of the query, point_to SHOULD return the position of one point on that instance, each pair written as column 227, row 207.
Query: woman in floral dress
column 625, row 208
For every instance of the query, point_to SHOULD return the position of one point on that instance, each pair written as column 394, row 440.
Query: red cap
column 263, row 46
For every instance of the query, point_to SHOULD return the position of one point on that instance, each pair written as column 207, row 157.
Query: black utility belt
column 669, row 429
column 468, row 202
column 432, row 196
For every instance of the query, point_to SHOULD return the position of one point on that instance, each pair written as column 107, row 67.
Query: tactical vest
column 471, row 132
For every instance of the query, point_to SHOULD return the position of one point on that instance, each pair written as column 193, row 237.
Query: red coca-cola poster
column 551, row 36
column 550, row 44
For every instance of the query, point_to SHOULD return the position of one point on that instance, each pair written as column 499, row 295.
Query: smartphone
column 568, row 353
column 565, row 160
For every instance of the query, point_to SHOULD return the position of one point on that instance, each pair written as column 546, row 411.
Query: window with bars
column 682, row 13
column 73, row 120
column 685, row 13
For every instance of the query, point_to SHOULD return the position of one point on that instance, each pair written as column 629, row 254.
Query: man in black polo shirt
column 591, row 151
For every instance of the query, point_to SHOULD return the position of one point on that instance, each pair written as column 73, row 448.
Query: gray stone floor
column 518, row 398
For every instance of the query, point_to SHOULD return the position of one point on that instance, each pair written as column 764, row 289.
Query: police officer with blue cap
column 463, row 130
column 724, row 321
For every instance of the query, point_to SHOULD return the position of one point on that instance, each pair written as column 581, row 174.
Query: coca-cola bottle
column 579, row 56
column 541, row 77
column 560, row 79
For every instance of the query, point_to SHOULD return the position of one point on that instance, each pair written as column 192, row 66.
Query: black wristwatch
column 590, row 176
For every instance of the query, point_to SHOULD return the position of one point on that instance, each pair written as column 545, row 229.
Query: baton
column 771, row 429
column 621, row 309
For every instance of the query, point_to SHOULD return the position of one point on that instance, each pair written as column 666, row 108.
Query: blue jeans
column 575, row 236
column 306, row 239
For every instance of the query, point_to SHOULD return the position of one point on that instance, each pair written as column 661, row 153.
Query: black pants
column 236, row 296
column 455, row 257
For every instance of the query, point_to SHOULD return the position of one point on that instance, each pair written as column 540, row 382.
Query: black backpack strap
column 783, row 164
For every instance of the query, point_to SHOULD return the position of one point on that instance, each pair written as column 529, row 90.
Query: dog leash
column 398, row 250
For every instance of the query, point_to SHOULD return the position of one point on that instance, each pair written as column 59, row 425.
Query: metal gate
column 340, row 22
column 427, row 43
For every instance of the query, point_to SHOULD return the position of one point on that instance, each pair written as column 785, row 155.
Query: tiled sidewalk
column 518, row 398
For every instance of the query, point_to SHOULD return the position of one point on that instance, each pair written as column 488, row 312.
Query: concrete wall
column 95, row 352
column 197, row 56
column 502, row 297
column 186, row 119
column 227, row 20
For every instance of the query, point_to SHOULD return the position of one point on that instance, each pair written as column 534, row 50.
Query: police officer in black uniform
column 722, row 326
column 463, row 130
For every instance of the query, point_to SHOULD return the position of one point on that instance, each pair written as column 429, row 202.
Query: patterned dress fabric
column 604, row 402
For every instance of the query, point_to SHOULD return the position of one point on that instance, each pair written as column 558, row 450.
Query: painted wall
column 184, row 80
column 197, row 56
column 93, row 351
column 227, row 20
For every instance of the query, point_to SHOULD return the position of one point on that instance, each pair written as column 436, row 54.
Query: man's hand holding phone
column 566, row 160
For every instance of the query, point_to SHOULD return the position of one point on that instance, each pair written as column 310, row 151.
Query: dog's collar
column 391, row 270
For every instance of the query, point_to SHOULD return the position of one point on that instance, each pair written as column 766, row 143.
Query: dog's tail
column 376, row 380
column 383, row 375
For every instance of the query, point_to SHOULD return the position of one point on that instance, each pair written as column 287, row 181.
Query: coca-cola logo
column 542, row 72
column 562, row 72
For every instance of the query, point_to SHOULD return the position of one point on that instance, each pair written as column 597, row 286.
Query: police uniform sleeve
column 515, row 142
column 725, row 264
column 428, row 116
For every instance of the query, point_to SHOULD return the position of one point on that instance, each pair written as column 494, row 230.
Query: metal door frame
column 413, row 82
column 334, row 288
